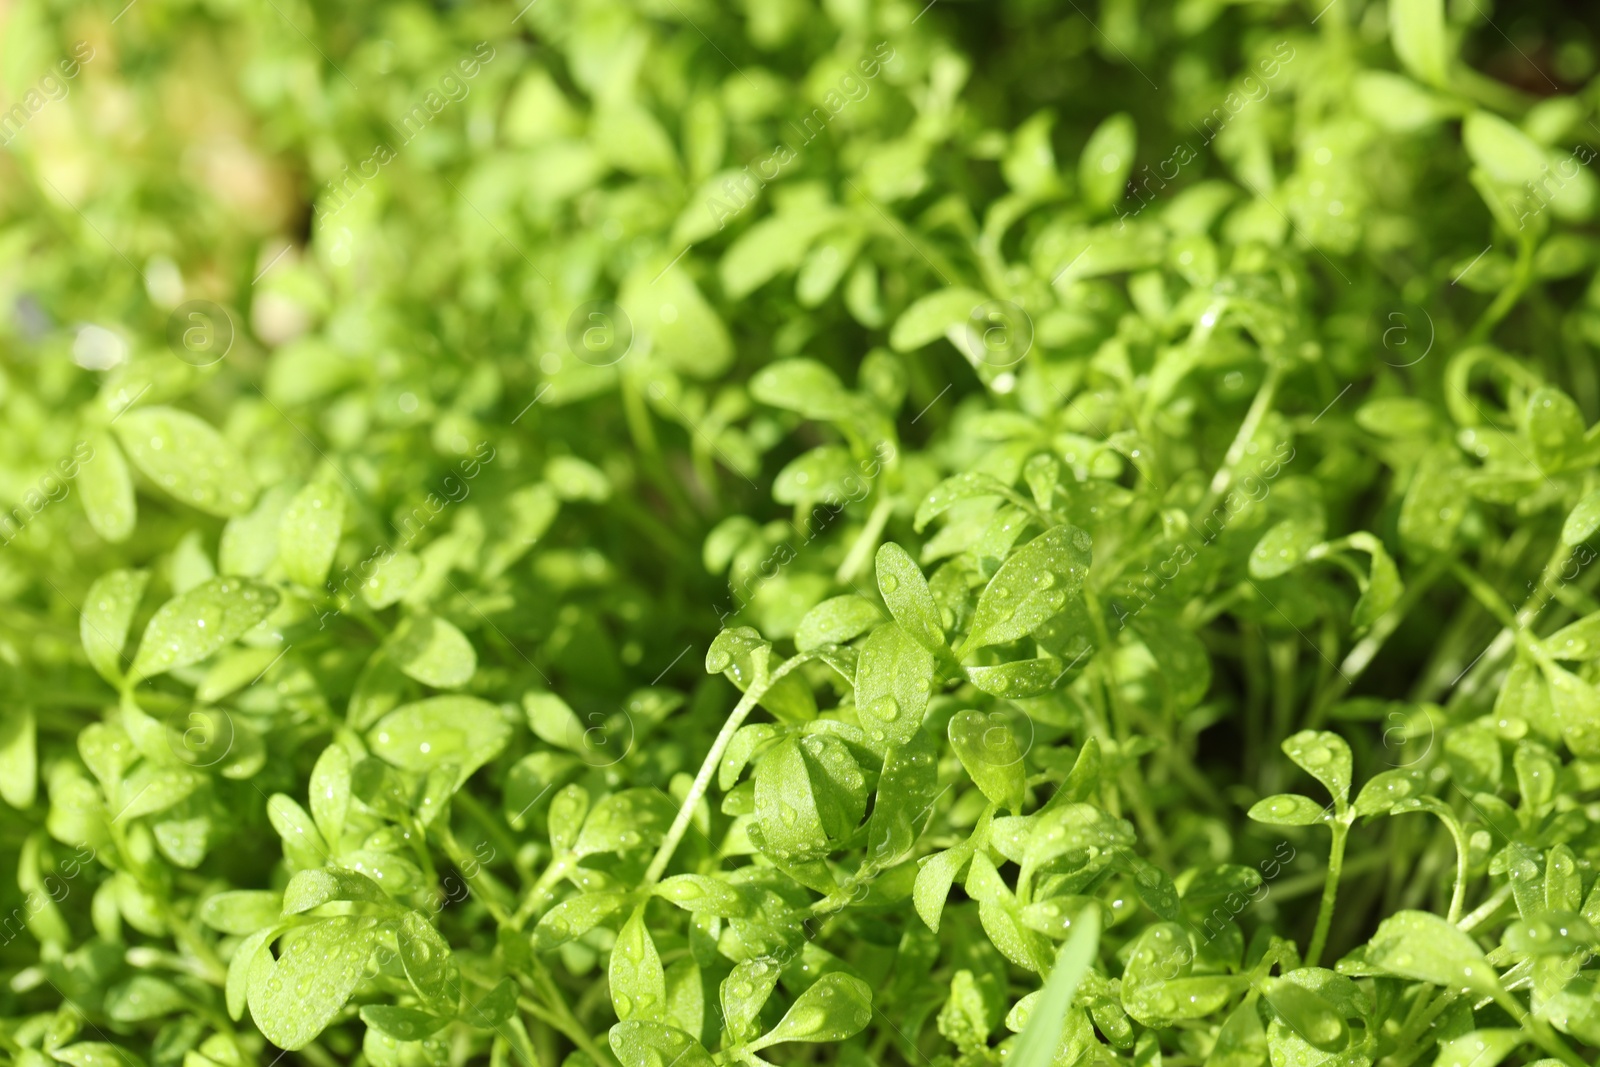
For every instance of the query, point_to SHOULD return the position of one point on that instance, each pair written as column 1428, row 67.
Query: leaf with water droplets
column 837, row 1006
column 188, row 459
column 1288, row 809
column 970, row 485
column 1435, row 502
column 744, row 992
column 465, row 731
column 241, row 911
column 786, row 808
column 107, row 489
column 294, row 997
column 894, row 678
column 308, row 533
column 1030, row 587
column 989, row 752
column 402, row 1024
column 576, row 916
column 1325, row 757
column 193, row 625
column 1284, row 547
column 638, row 983
column 804, row 386
column 1310, row 1019
column 906, row 593
column 431, row 650
column 1481, row 1048
column 626, row 821
column 1576, row 641
column 329, row 792
column 935, row 876
column 964, row 1019
column 144, row 996
column 1583, row 520
column 107, row 613
column 835, row 621
column 639, row 1043
column 1424, row 947
column 1018, row 679
column 1473, row 755
column 92, row 1054
column 1388, row 788
column 429, row 967
column 701, row 893
column 312, row 888
column 237, row 985
column 907, row 788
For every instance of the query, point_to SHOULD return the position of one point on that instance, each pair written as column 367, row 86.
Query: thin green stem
column 1330, row 891
column 702, row 780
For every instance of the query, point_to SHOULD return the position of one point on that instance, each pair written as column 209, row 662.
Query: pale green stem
column 866, row 542
column 1241, row 440
column 702, row 781
column 1330, row 890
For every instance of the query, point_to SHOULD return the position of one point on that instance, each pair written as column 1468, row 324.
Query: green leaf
column 1288, row 809
column 294, row 997
column 1325, row 757
column 639, row 1043
column 188, row 459
column 402, row 1024
column 1576, row 641
column 1481, row 1048
column 772, row 246
column 894, row 678
column 1505, row 152
column 434, row 652
column 970, row 485
column 1582, row 521
column 804, row 386
column 1555, row 426
column 638, row 982
column 96, row 1054
column 425, row 956
column 143, row 997
column 786, row 807
column 107, row 613
column 1309, row 1017
column 495, row 1007
column 1386, row 789
column 308, row 533
column 835, row 621
column 908, row 786
column 743, row 993
column 576, row 916
column 391, row 579
column 107, row 488
column 934, row 316
column 1036, row 1047
column 1030, row 587
column 906, row 593
column 1424, row 947
column 629, row 820
column 988, row 752
column 19, row 758
column 1107, row 160
column 192, row 626
column 465, row 731
column 1284, row 547
column 1417, row 29
column 313, row 888
column 241, row 911
column 330, row 792
column 835, row 1007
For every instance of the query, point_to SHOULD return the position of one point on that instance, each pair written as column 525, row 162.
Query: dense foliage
column 672, row 533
